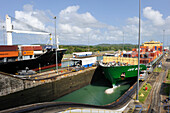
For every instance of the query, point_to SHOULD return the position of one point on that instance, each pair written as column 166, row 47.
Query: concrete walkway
column 88, row 110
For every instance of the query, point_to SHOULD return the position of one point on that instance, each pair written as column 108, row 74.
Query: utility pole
column 137, row 88
column 56, row 42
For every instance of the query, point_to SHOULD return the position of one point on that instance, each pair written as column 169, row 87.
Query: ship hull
column 45, row 60
column 119, row 73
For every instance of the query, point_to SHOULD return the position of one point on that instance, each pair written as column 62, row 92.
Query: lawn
column 168, row 77
column 167, row 84
column 143, row 94
column 157, row 69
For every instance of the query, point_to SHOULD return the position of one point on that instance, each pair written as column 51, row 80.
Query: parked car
column 143, row 75
column 26, row 72
column 77, row 68
column 149, row 69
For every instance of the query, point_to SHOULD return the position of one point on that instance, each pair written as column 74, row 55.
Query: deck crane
column 9, row 30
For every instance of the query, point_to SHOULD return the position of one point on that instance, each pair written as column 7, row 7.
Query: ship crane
column 9, row 30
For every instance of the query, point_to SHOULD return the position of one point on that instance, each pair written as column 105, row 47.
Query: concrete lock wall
column 10, row 84
column 40, row 92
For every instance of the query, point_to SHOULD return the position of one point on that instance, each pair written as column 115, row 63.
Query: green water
column 94, row 94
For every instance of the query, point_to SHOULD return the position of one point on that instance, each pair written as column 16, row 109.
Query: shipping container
column 8, row 48
column 27, row 48
column 37, row 48
column 25, row 53
column 133, row 49
column 5, row 54
column 144, row 60
column 146, row 50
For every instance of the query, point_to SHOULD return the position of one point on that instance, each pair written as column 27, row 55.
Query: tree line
column 95, row 48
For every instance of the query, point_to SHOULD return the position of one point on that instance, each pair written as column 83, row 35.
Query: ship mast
column 9, row 30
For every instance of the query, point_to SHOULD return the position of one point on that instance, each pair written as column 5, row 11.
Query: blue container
column 155, row 48
column 85, row 65
column 90, row 65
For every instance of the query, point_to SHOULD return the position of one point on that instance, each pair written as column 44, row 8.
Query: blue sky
column 99, row 21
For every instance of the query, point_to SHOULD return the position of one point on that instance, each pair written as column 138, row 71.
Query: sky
column 86, row 22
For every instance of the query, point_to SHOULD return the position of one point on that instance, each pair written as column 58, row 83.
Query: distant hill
column 115, row 45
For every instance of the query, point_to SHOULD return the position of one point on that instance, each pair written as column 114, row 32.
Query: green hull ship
column 117, row 73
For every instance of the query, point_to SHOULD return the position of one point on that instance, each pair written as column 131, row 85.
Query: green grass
column 157, row 69
column 166, row 90
column 145, row 93
column 168, row 77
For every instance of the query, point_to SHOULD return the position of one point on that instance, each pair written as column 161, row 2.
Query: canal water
column 94, row 94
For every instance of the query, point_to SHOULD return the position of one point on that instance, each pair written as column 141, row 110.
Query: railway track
column 156, row 81
column 48, row 74
column 45, row 75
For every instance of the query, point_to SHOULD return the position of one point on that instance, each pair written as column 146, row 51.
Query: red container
column 134, row 49
column 142, row 47
column 27, row 48
column 9, row 48
column 146, row 50
column 36, row 48
column 144, row 60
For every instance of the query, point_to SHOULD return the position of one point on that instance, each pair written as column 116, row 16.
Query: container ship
column 117, row 73
column 123, row 65
column 18, row 58
column 14, row 58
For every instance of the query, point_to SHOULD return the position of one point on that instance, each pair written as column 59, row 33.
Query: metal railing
column 87, row 110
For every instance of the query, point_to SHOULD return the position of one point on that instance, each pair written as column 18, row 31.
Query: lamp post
column 88, row 43
column 123, row 41
column 56, row 42
column 4, row 33
column 137, row 88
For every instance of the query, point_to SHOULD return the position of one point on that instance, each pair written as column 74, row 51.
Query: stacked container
column 8, row 51
column 27, row 50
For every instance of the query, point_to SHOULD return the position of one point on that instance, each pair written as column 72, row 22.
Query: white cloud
column 35, row 18
column 32, row 20
column 154, row 16
column 80, row 28
column 134, row 20
column 70, row 15
column 73, row 23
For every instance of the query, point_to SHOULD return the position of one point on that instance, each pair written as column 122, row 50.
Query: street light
column 88, row 42
column 123, row 41
column 137, row 88
column 4, row 33
column 56, row 46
